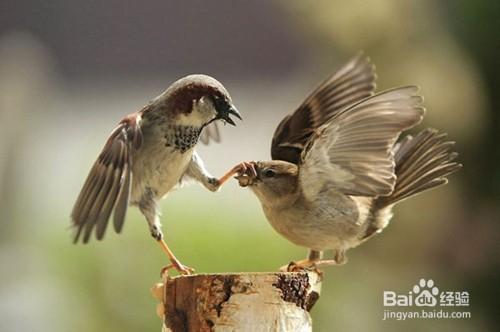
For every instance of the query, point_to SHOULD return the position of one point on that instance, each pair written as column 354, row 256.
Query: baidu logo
column 423, row 294
column 432, row 301
column 426, row 293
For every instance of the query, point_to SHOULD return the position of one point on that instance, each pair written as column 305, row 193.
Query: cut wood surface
column 261, row 302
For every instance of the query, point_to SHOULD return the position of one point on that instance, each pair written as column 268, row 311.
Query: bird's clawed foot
column 174, row 262
column 246, row 167
column 306, row 265
column 243, row 168
column 301, row 266
column 246, row 174
column 309, row 264
column 178, row 266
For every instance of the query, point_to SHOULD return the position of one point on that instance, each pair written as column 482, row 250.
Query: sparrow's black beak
column 225, row 109
column 230, row 111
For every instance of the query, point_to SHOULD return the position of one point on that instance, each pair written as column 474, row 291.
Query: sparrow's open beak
column 231, row 110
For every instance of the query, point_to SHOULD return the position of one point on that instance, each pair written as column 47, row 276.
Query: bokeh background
column 70, row 70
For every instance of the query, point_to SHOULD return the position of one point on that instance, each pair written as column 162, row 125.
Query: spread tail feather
column 422, row 163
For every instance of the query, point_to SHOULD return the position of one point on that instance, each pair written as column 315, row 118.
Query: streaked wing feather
column 111, row 198
column 351, row 83
column 103, row 190
column 123, row 199
column 353, row 152
column 107, row 176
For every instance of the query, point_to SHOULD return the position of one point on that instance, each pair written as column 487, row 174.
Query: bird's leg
column 149, row 209
column 338, row 259
column 304, row 264
column 241, row 168
column 175, row 263
column 314, row 260
column 197, row 171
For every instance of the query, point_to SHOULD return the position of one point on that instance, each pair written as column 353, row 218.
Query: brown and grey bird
column 148, row 154
column 337, row 170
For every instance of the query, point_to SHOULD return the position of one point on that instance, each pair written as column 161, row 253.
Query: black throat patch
column 182, row 138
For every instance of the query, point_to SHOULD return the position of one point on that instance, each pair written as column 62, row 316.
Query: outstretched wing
column 108, row 185
column 210, row 133
column 353, row 152
column 352, row 83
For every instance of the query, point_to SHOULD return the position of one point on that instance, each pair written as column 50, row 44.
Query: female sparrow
column 337, row 170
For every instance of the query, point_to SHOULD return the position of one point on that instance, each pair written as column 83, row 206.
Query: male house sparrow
column 148, row 154
column 337, row 170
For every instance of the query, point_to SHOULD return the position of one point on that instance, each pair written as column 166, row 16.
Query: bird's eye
column 269, row 173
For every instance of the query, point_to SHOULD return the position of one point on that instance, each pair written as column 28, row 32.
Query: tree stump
column 239, row 302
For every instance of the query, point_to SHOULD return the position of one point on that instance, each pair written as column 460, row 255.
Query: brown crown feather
column 180, row 94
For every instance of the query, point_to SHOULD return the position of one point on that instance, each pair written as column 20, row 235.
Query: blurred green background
column 70, row 70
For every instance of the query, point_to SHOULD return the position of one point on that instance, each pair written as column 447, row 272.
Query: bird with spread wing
column 338, row 168
column 148, row 154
